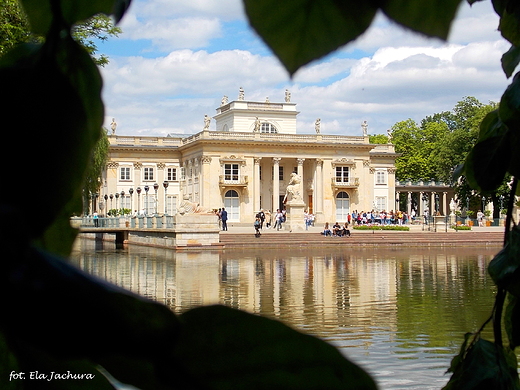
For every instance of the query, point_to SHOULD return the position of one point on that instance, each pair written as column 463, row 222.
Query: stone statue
column 317, row 126
column 267, row 100
column 287, row 96
column 113, row 126
column 364, row 126
column 207, row 121
column 293, row 193
column 241, row 94
column 224, row 100
column 453, row 206
column 389, row 135
column 189, row 207
column 256, row 129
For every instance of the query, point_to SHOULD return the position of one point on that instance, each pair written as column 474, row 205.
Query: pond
column 401, row 314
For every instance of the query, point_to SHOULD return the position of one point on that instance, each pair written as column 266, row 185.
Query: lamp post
column 117, row 200
column 138, row 200
column 122, row 199
column 106, row 203
column 146, row 189
column 155, row 187
column 131, row 191
column 165, row 185
column 111, row 200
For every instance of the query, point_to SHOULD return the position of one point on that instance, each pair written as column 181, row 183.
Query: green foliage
column 460, row 227
column 378, row 139
column 119, row 212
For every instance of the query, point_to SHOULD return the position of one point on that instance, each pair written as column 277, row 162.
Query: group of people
column 267, row 218
column 336, row 230
column 380, row 217
column 222, row 218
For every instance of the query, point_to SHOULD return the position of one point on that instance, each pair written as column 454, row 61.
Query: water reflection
column 399, row 313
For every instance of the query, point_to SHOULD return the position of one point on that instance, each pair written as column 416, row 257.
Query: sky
column 176, row 59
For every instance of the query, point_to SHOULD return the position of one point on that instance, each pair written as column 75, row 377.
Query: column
column 256, row 184
column 397, row 203
column 205, row 182
column 432, row 203
column 276, row 183
column 409, row 203
column 445, row 203
column 300, row 173
column 319, row 187
column 420, row 205
column 300, row 167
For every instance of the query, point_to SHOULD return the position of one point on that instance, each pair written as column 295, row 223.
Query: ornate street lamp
column 131, row 191
column 165, row 185
column 111, row 200
column 156, row 187
column 138, row 200
column 122, row 199
column 106, row 203
column 146, row 189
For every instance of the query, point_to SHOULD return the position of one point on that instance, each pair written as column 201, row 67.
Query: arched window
column 342, row 206
column 268, row 128
column 232, row 205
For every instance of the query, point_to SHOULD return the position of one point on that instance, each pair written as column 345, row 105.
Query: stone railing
column 353, row 182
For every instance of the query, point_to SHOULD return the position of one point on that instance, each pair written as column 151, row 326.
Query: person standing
column 480, row 218
column 278, row 220
column 223, row 218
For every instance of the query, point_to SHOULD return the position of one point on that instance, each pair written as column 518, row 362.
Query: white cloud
column 389, row 74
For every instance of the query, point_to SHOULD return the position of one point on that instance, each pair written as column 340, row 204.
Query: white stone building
column 245, row 165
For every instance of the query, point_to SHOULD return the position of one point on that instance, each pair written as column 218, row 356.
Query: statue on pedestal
column 293, row 193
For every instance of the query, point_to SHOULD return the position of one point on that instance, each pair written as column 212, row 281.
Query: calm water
column 401, row 314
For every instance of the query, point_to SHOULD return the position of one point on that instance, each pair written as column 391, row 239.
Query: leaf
column 484, row 366
column 510, row 60
column 512, row 321
column 300, row 31
column 432, row 18
column 486, row 164
column 509, row 109
column 56, row 89
column 70, row 314
column 504, row 269
column 224, row 348
column 40, row 14
column 509, row 24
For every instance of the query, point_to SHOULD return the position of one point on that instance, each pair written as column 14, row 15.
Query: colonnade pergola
column 432, row 196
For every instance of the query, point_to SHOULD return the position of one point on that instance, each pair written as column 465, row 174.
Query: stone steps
column 364, row 238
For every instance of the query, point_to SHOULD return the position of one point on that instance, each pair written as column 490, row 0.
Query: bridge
column 195, row 230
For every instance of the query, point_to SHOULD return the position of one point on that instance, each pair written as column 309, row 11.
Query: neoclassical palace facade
column 245, row 165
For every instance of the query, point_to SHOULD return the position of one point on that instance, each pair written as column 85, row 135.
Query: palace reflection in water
column 400, row 313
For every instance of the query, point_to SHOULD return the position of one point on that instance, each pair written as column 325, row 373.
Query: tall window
column 342, row 206
column 124, row 174
column 148, row 173
column 381, row 203
column 171, row 174
column 342, row 174
column 230, row 171
column 268, row 128
column 232, row 205
column 381, row 177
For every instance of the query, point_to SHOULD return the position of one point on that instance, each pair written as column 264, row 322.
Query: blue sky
column 176, row 59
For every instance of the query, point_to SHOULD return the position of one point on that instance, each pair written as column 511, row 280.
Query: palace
column 245, row 165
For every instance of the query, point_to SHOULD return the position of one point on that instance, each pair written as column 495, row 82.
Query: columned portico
column 276, row 183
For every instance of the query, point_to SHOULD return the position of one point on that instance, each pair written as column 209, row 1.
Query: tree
column 14, row 30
